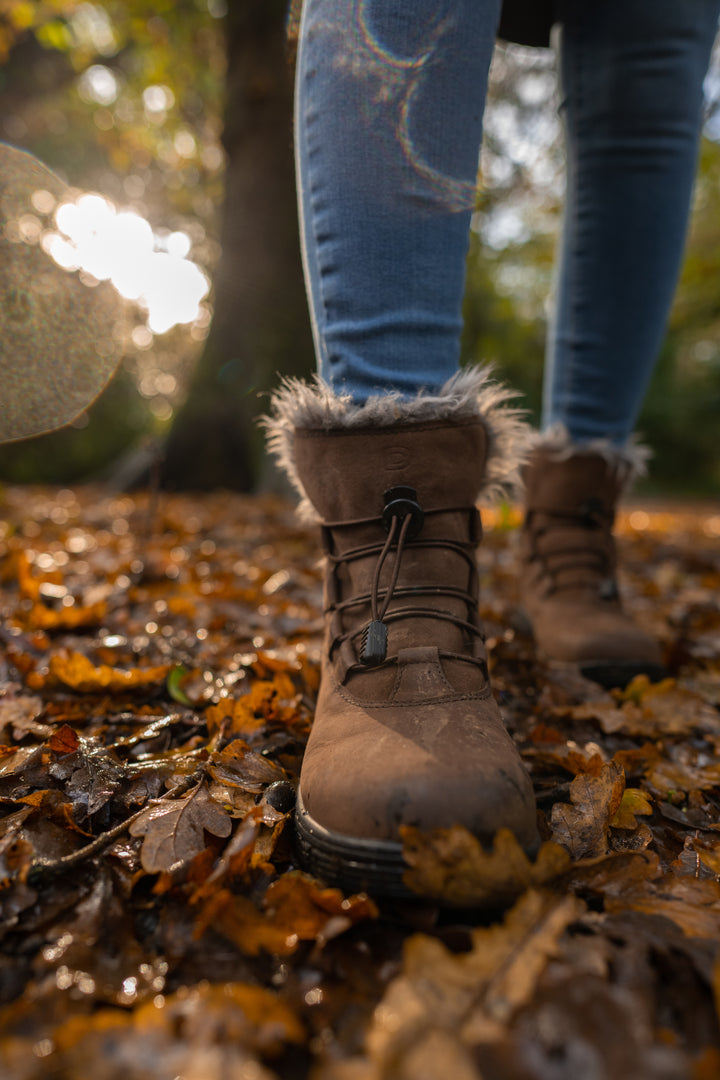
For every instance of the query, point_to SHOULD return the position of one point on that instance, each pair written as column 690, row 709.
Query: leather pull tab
column 373, row 644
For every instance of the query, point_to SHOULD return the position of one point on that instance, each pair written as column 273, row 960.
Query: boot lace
column 579, row 541
column 403, row 518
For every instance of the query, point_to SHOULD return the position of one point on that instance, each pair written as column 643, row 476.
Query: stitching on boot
column 480, row 695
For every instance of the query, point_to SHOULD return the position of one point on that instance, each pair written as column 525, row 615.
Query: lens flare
column 60, row 341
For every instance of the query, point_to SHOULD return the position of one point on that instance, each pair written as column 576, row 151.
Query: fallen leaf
column 708, row 853
column 15, row 759
column 174, row 830
column 473, row 994
column 19, row 715
column 64, row 740
column 74, row 617
column 582, row 828
column 78, row 673
column 238, row 765
column 175, row 684
column 182, row 1029
column 295, row 908
column 266, row 702
column 451, row 866
column 615, row 874
column 652, row 710
column 92, row 774
column 634, row 803
column 668, row 777
column 692, row 903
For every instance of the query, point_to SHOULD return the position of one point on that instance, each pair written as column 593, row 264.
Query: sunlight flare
column 119, row 246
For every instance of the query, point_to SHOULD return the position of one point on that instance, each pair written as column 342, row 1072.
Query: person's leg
column 631, row 84
column 392, row 446
column 390, row 98
column 631, row 77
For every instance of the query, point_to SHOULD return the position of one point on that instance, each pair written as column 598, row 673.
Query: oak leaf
column 634, row 803
column 473, row 994
column 582, row 828
column 451, row 866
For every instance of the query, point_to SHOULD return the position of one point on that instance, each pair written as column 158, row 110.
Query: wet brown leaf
column 174, row 831
column 582, row 828
column 471, row 996
column 64, row 740
column 295, row 908
column 19, row 717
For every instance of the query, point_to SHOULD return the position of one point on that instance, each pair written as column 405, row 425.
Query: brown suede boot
column 569, row 586
column 406, row 730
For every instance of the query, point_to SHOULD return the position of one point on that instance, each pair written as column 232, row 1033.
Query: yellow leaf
column 451, row 866
column 41, row 617
column 633, row 803
column 22, row 15
column 78, row 673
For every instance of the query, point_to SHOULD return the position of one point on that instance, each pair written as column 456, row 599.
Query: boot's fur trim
column 470, row 393
column 630, row 460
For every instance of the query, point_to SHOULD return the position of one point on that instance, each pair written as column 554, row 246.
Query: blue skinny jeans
column 389, row 109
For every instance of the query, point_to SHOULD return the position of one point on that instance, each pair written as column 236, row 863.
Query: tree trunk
column 260, row 327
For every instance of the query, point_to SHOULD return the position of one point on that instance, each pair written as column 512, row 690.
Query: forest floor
column 157, row 677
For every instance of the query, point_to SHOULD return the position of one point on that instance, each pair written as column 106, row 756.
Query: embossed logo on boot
column 397, row 457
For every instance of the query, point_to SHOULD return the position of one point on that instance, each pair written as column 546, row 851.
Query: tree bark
column 260, row 326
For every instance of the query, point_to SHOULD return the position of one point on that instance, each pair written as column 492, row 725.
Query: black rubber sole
column 612, row 674
column 354, row 864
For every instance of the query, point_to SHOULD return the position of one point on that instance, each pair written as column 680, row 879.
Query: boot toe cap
column 354, row 791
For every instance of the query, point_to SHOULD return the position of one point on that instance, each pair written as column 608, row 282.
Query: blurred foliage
column 126, row 97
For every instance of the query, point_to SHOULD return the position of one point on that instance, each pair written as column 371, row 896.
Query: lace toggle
column 403, row 518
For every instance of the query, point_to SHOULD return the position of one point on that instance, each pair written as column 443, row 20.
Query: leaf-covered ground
column 159, row 667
